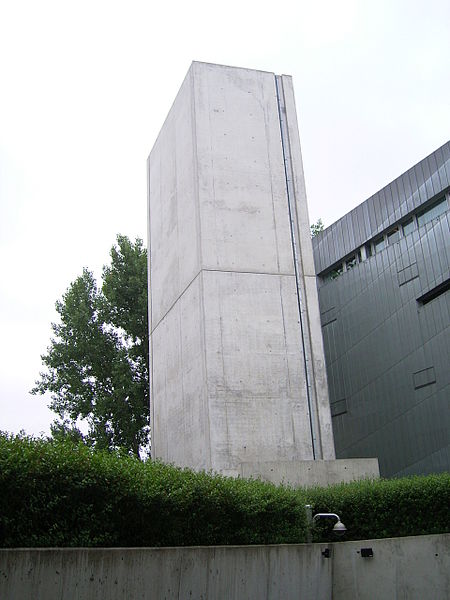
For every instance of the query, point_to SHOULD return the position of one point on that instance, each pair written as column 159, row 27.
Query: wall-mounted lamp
column 339, row 527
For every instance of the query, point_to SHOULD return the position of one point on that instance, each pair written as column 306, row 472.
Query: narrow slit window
column 408, row 226
column 336, row 272
column 435, row 292
column 351, row 262
column 432, row 212
column 393, row 235
column 338, row 407
column 379, row 244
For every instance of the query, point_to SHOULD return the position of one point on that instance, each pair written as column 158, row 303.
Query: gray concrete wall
column 413, row 568
column 416, row 567
column 312, row 472
column 229, row 347
column 215, row 573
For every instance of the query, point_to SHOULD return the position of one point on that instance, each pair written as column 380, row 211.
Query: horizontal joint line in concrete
column 279, row 274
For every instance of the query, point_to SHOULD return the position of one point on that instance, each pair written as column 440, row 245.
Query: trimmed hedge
column 384, row 508
column 58, row 494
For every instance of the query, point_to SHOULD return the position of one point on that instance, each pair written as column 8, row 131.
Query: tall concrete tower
column 238, row 381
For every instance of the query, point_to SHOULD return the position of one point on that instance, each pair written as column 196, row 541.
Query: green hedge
column 385, row 507
column 59, row 494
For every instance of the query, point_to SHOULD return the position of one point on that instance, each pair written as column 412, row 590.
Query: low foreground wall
column 416, row 567
column 413, row 567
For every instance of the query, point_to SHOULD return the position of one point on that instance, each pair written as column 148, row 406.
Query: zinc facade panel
column 382, row 336
column 386, row 207
column 434, row 173
column 443, row 155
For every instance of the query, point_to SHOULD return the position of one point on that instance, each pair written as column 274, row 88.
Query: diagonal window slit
column 435, row 292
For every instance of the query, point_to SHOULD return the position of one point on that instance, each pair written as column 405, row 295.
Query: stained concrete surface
column 237, row 366
column 413, row 568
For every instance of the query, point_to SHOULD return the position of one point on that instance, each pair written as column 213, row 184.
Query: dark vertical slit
column 297, row 275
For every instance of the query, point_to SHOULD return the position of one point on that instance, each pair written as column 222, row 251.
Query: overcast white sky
column 85, row 87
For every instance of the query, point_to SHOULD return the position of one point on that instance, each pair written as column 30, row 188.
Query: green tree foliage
column 97, row 361
column 316, row 227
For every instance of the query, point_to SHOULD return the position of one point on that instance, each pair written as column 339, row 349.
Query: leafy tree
column 316, row 228
column 97, row 361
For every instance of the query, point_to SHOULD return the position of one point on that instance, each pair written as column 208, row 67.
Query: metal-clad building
column 383, row 279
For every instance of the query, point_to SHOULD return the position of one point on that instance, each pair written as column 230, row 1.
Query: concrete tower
column 238, row 381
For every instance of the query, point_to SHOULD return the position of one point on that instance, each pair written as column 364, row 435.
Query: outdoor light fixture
column 339, row 527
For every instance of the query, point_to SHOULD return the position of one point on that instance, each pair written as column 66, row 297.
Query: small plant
column 316, row 227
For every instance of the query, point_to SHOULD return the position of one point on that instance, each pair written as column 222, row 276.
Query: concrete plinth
column 309, row 473
column 237, row 363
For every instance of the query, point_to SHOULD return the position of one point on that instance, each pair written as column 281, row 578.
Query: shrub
column 385, row 507
column 57, row 493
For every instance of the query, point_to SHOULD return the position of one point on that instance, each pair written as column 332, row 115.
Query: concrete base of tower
column 307, row 473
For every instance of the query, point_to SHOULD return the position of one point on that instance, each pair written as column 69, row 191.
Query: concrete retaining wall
column 254, row 572
column 416, row 567
column 413, row 567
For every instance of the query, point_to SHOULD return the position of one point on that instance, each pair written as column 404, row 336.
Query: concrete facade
column 237, row 361
column 414, row 567
column 384, row 280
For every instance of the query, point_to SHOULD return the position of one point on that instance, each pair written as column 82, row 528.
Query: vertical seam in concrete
column 267, row 131
column 200, row 267
column 180, row 305
column 285, row 340
column 196, row 183
column 321, row 413
column 149, row 313
column 219, row 295
column 284, row 142
column 183, row 399
column 180, row 574
column 212, row 179
column 209, row 570
column 302, row 193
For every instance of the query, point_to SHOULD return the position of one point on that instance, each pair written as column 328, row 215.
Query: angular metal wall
column 385, row 322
